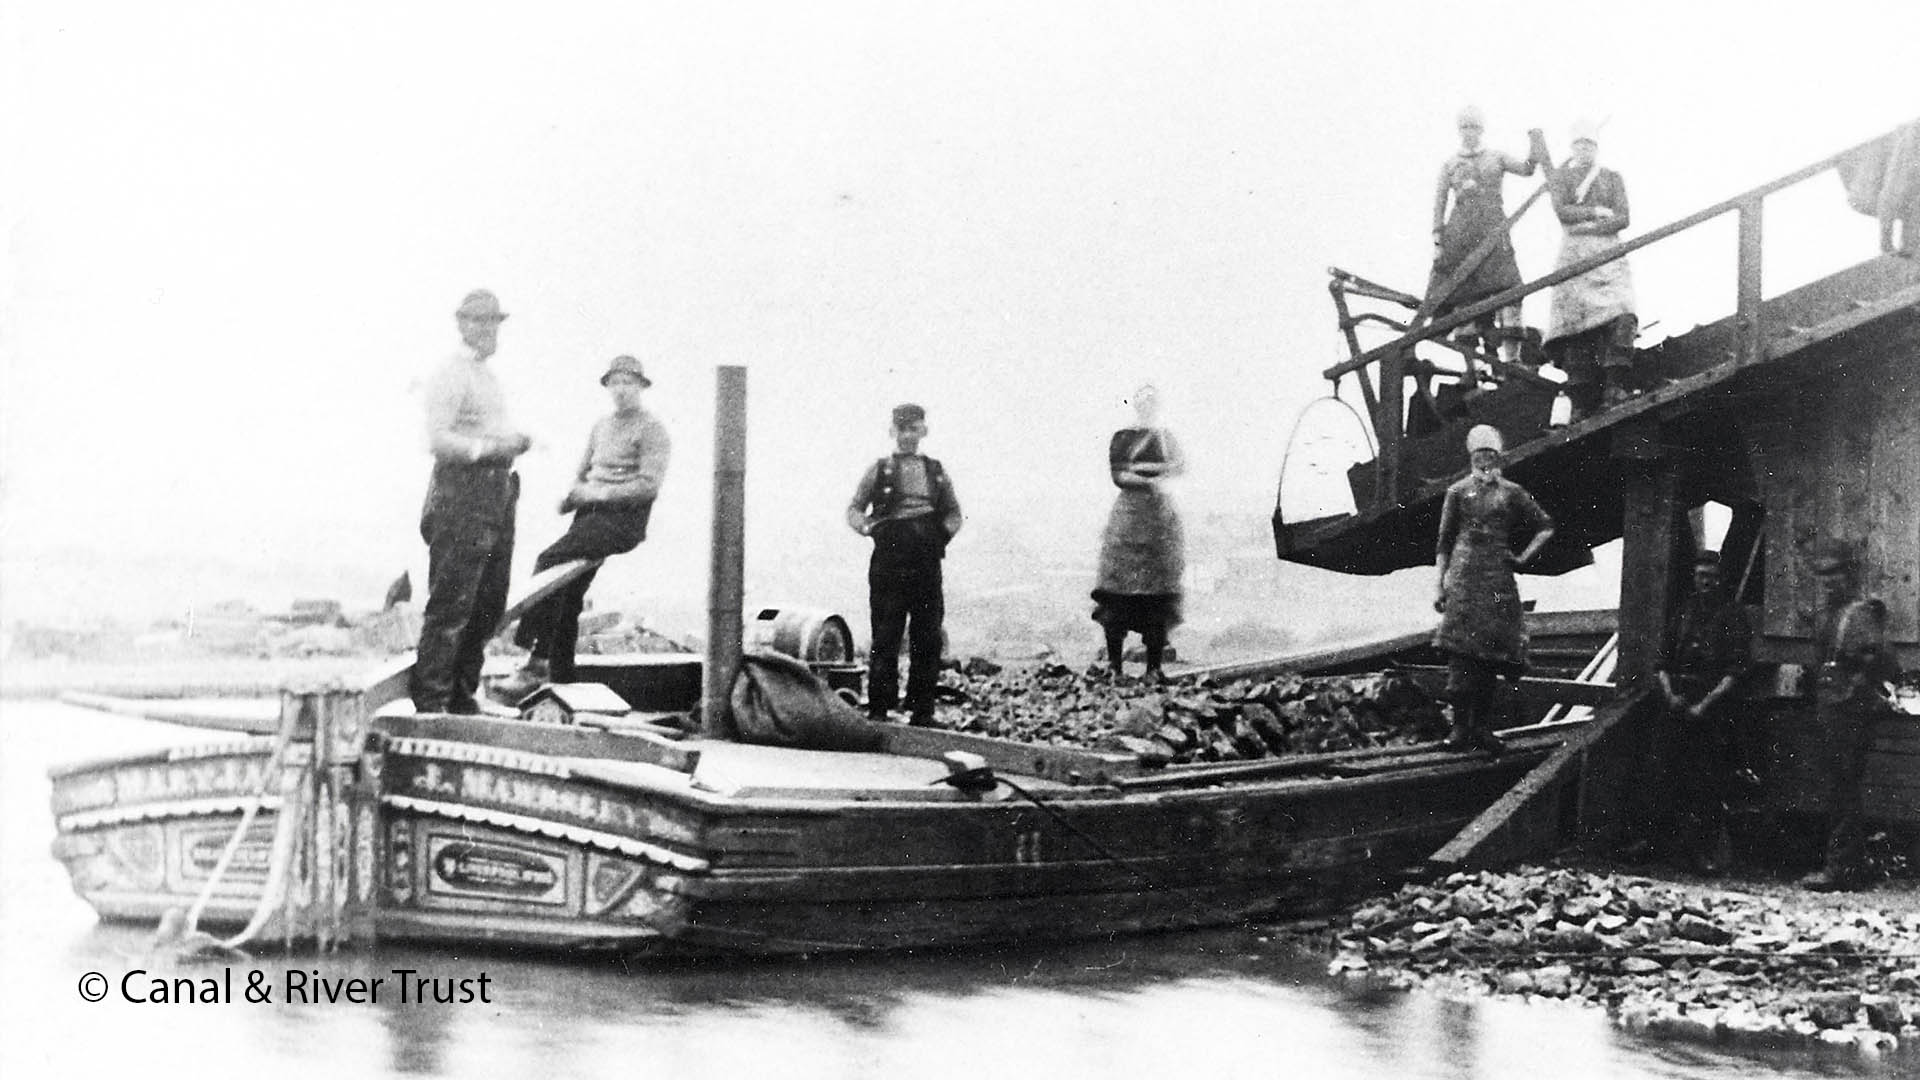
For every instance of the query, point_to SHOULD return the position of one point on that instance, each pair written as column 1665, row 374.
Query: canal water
column 1222, row 1003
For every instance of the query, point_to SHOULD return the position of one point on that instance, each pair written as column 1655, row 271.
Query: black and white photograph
column 571, row 539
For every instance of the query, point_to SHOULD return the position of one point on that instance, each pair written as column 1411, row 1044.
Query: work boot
column 921, row 718
column 514, row 688
column 1830, row 881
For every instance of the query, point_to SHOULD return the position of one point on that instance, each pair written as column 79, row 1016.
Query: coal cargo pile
column 1192, row 720
column 1706, row 965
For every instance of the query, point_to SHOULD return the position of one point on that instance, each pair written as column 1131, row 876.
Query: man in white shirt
column 467, row 521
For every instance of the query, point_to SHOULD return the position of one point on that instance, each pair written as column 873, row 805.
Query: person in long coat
column 1143, row 551
column 1481, row 628
column 1591, row 325
column 1470, row 183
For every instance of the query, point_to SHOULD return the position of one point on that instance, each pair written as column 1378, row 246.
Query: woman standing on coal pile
column 1142, row 552
column 1481, row 628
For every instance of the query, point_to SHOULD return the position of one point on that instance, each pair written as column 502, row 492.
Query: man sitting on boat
column 611, row 501
column 467, row 521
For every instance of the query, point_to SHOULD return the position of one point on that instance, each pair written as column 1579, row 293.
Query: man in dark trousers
column 905, row 502
column 611, row 501
column 1850, row 642
column 1709, row 651
column 467, row 521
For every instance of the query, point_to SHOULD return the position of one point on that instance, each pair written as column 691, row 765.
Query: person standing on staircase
column 467, row 521
column 1855, row 663
column 1470, row 182
column 1591, row 325
column 1481, row 626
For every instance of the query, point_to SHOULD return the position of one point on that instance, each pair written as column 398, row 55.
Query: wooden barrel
column 814, row 635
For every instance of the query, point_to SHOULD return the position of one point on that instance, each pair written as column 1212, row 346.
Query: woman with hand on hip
column 1481, row 628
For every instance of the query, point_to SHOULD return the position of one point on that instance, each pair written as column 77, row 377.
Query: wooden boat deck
column 741, row 770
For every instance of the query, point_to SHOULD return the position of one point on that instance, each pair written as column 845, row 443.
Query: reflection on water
column 1221, row 1003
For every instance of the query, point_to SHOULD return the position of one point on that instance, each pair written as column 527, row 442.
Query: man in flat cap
column 1850, row 642
column 611, row 502
column 1709, row 651
column 467, row 521
column 905, row 502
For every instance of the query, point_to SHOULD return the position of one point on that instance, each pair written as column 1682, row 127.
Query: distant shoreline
column 198, row 677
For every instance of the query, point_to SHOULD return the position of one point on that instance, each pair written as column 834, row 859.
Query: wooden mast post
column 328, row 808
column 725, row 589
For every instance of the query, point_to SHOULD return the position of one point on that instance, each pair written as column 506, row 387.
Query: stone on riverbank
column 1689, row 963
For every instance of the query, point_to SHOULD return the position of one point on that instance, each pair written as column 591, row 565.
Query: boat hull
column 772, row 852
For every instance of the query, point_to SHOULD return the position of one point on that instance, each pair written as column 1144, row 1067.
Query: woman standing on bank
column 1481, row 629
column 1142, row 553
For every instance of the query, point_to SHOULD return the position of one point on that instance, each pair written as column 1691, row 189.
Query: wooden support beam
column 1752, row 334
column 1537, row 814
column 1653, row 520
column 727, row 567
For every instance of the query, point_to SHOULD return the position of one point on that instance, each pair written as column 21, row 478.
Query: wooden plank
column 1528, row 817
column 1534, row 690
column 1316, row 659
column 1059, row 763
column 251, row 717
column 552, row 740
column 391, row 681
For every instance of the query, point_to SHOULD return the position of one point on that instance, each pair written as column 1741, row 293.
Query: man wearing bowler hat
column 611, row 501
column 467, row 521
column 1850, row 641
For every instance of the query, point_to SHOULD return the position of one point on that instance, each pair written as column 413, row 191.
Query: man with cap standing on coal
column 1850, row 641
column 1709, row 650
column 611, row 501
column 467, row 521
column 905, row 502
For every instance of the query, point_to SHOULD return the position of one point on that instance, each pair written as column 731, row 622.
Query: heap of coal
column 1193, row 719
column 1716, row 966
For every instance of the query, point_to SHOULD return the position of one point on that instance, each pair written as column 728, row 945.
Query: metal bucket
column 814, row 635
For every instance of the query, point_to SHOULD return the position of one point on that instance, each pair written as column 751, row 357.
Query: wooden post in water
column 328, row 880
column 727, row 570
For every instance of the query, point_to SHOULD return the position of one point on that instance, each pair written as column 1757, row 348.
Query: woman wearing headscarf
column 1591, row 326
column 1481, row 629
column 1142, row 552
column 1470, row 180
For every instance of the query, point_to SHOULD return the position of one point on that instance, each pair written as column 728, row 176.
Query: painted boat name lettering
column 156, row 783
column 487, row 786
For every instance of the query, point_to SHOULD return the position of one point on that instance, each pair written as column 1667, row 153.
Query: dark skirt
column 1138, row 613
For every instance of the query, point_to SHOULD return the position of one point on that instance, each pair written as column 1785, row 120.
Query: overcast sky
column 237, row 232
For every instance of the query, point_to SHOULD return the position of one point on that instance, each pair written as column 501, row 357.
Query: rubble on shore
column 1191, row 720
column 1691, row 963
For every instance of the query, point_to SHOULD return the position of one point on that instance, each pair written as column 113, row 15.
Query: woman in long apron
column 1592, row 324
column 1481, row 629
column 1143, row 551
column 1470, row 181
